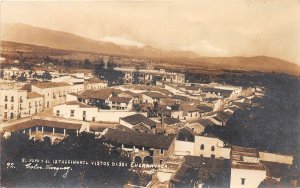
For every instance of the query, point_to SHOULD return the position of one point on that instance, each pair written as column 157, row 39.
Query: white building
column 120, row 103
column 207, row 146
column 246, row 169
column 147, row 75
column 19, row 103
column 55, row 92
column 80, row 111
column 94, row 84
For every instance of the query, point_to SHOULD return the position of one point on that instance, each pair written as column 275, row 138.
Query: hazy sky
column 208, row 27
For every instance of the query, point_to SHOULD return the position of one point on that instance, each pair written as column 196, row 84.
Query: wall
column 252, row 178
column 99, row 115
column 34, row 105
column 13, row 107
column 209, row 142
column 184, row 147
column 278, row 158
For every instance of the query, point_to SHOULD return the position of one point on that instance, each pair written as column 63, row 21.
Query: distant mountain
column 57, row 43
column 27, row 34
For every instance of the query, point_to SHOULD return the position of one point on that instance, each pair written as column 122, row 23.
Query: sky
column 207, row 27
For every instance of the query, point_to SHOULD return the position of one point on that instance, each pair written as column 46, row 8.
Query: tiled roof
column 132, row 94
column 224, row 93
column 95, row 80
column 120, row 99
column 31, row 95
column 43, row 85
column 170, row 121
column 138, row 139
column 40, row 122
column 204, row 109
column 180, row 97
column 155, row 95
column 81, row 105
column 206, row 122
column 101, row 94
column 222, row 116
column 201, row 169
column 139, row 118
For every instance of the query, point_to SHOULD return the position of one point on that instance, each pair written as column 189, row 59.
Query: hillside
column 41, row 42
column 28, row 34
column 255, row 63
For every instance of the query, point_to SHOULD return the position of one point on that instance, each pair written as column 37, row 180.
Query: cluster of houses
column 163, row 124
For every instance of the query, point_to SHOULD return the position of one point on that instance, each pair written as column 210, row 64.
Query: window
column 213, row 156
column 5, row 99
column 93, row 118
column 72, row 113
column 213, row 148
column 202, row 147
column 21, row 100
column 84, row 113
column 12, row 99
column 161, row 151
column 243, row 181
column 12, row 107
column 57, row 112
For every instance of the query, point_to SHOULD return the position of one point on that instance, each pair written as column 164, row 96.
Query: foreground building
column 16, row 104
column 144, row 147
column 39, row 129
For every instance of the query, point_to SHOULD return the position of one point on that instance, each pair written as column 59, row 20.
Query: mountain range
column 27, row 34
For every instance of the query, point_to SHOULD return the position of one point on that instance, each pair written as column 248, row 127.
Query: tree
column 46, row 76
column 67, row 63
column 22, row 78
column 82, row 148
column 112, row 76
column 99, row 69
column 87, row 63
column 110, row 64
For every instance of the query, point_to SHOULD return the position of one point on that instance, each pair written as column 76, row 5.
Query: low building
column 246, row 169
column 197, row 128
column 146, row 76
column 81, row 111
column 98, row 98
column 145, row 148
column 153, row 97
column 139, row 123
column 38, row 129
column 200, row 172
column 221, row 118
column 120, row 103
column 207, row 146
column 94, row 84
